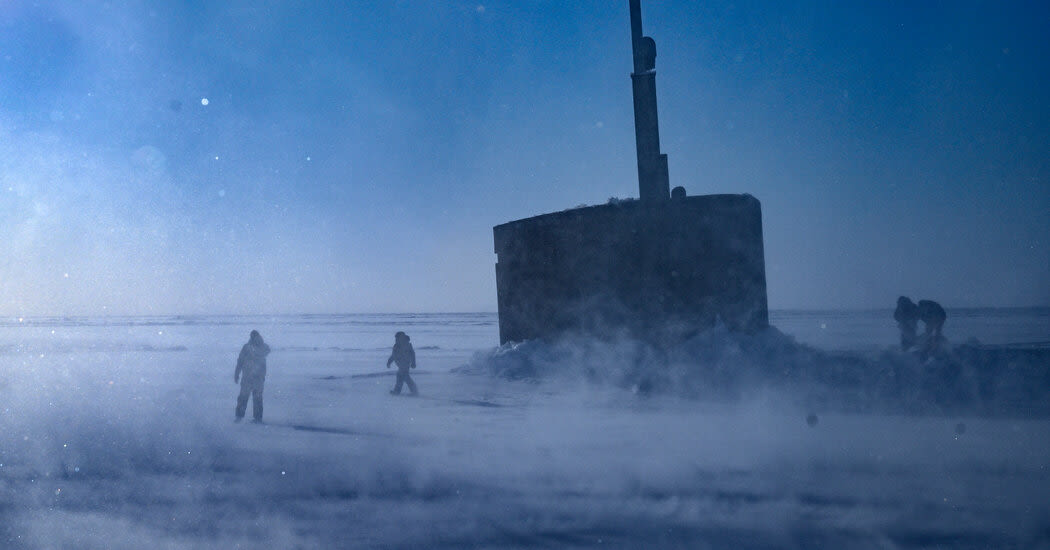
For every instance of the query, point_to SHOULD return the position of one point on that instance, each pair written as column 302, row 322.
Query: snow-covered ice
column 118, row 433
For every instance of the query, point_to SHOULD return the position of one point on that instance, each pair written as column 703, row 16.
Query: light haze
column 264, row 157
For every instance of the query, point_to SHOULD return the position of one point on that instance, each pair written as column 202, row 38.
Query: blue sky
column 354, row 156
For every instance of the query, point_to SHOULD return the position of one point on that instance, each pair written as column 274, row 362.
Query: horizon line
column 300, row 314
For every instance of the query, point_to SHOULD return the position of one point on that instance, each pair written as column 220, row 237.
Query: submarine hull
column 651, row 269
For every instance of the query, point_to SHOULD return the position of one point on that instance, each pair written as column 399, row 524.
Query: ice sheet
column 120, row 435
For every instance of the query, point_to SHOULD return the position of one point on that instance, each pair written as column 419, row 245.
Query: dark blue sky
column 353, row 156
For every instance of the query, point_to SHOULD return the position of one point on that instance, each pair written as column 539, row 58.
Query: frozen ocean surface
column 118, row 433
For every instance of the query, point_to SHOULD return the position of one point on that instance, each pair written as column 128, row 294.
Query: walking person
column 405, row 357
column 251, row 373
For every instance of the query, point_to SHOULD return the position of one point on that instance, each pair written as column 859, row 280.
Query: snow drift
column 970, row 379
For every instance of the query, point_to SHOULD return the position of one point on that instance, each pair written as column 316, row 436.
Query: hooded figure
column 405, row 357
column 251, row 372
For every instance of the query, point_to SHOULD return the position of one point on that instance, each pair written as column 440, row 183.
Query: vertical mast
column 653, row 182
column 636, row 30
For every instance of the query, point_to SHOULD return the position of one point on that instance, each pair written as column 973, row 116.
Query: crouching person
column 405, row 357
column 933, row 316
column 251, row 373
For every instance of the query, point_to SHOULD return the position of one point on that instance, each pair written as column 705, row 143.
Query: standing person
column 907, row 317
column 251, row 372
column 405, row 357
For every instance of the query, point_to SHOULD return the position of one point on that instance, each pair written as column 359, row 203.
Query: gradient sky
column 353, row 156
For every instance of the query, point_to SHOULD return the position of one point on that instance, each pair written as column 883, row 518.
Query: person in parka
column 932, row 316
column 251, row 373
column 405, row 357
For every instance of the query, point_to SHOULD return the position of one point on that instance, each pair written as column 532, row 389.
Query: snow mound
column 720, row 364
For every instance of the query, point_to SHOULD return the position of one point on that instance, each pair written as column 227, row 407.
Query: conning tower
column 658, row 268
